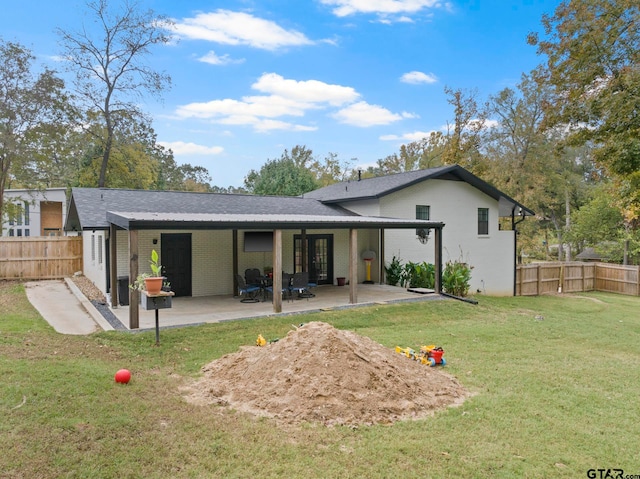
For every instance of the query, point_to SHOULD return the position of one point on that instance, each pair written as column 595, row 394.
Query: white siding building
column 34, row 212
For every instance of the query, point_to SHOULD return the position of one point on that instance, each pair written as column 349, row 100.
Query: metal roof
column 146, row 220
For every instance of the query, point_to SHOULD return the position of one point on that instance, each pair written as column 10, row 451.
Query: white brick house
column 205, row 239
column 469, row 208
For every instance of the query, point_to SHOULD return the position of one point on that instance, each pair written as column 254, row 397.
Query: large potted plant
column 151, row 283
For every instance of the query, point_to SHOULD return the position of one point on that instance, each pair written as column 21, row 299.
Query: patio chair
column 286, row 286
column 249, row 292
column 300, row 285
column 253, row 277
column 311, row 284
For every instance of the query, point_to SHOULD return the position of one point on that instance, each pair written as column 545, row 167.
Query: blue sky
column 357, row 78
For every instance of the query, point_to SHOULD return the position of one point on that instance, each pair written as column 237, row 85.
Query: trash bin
column 123, row 290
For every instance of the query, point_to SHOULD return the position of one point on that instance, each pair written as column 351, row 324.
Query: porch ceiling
column 145, row 221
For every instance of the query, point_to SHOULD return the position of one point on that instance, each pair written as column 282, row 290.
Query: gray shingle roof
column 88, row 207
column 374, row 188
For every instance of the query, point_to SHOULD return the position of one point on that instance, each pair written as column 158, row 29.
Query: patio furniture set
column 254, row 285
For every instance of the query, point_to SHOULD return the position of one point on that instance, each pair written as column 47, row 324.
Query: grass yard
column 556, row 384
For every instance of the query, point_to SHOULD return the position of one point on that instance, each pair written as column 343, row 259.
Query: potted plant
column 151, row 283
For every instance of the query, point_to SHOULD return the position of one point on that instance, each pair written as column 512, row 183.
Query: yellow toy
column 430, row 354
column 260, row 341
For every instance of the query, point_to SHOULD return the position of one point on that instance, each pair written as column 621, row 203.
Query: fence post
column 638, row 280
column 519, row 268
column 539, row 278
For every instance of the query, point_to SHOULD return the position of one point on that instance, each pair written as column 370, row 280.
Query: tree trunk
column 567, row 220
column 105, row 161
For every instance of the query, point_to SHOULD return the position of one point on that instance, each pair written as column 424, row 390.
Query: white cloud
column 283, row 97
column 269, row 125
column 290, row 98
column 411, row 136
column 182, row 148
column 364, row 115
column 310, row 91
column 345, row 8
column 416, row 77
column 214, row 59
column 271, row 106
column 238, row 28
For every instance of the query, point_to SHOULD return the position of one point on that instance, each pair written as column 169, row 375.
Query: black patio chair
column 286, row 286
column 253, row 277
column 249, row 292
column 300, row 285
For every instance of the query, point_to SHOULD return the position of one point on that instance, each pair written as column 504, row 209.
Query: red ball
column 123, row 376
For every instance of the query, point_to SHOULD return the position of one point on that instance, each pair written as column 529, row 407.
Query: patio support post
column 113, row 265
column 353, row 266
column 277, row 271
column 134, row 296
column 381, row 258
column 437, row 243
column 303, row 251
column 235, row 261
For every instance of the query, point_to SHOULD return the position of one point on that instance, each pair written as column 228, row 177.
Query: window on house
column 11, row 232
column 99, row 249
column 26, row 214
column 19, row 232
column 422, row 213
column 93, row 247
column 26, row 232
column 483, row 221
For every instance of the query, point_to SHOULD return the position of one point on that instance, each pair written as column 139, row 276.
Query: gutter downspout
column 515, row 223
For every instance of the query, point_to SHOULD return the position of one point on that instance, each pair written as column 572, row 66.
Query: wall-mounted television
column 258, row 241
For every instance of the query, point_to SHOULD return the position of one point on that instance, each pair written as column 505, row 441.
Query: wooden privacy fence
column 43, row 257
column 540, row 278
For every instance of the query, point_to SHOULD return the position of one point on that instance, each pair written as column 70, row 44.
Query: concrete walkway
column 64, row 307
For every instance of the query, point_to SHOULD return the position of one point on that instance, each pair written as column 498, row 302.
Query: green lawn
column 556, row 383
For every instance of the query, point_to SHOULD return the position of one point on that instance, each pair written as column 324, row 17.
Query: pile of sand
column 321, row 374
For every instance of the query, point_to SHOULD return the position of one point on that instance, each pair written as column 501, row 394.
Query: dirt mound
column 321, row 374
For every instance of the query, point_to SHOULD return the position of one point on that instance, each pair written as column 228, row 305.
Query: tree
column 464, row 136
column 600, row 223
column 331, row 170
column 593, row 52
column 109, row 66
column 421, row 154
column 29, row 105
column 287, row 176
column 529, row 161
column 195, row 178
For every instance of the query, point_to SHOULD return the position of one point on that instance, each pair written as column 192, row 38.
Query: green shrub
column 393, row 271
column 419, row 275
column 455, row 278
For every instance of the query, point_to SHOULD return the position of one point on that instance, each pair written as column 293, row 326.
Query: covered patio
column 214, row 309
column 354, row 293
